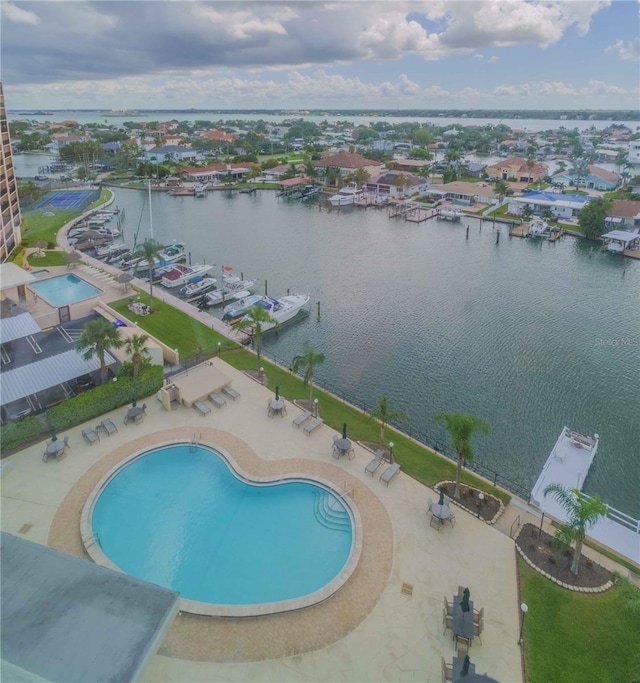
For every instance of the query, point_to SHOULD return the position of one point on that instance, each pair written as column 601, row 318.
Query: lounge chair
column 218, row 399
column 375, row 463
column 90, row 435
column 314, row 424
column 390, row 473
column 109, row 426
column 201, row 407
column 303, row 417
column 231, row 393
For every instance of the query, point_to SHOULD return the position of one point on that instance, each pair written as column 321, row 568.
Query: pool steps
column 330, row 516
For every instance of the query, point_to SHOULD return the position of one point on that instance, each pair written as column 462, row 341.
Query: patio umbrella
column 40, row 245
column 441, row 501
column 465, row 666
column 464, row 603
column 277, row 393
column 73, row 256
column 123, row 278
column 344, row 430
column 52, row 431
column 134, row 399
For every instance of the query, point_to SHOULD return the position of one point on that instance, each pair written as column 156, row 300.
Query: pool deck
column 370, row 630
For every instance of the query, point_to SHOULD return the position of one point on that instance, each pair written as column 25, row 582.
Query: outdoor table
column 440, row 512
column 457, row 670
column 277, row 407
column 133, row 414
column 462, row 621
column 56, row 448
column 343, row 446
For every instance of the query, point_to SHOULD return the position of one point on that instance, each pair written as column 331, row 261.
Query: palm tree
column 149, row 251
column 256, row 318
column 98, row 336
column 502, row 188
column 308, row 360
column 332, row 174
column 461, row 428
column 582, row 513
column 531, row 162
column 135, row 346
column 385, row 415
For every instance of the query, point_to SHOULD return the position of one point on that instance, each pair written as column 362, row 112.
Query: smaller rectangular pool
column 40, row 273
column 63, row 290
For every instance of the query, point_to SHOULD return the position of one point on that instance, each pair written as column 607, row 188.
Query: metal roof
column 67, row 619
column 17, row 327
column 46, row 373
column 621, row 236
column 11, row 275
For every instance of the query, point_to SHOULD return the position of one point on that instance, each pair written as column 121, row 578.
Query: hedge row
column 16, row 433
column 102, row 399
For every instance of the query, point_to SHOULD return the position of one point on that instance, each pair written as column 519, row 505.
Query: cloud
column 489, row 60
column 627, row 50
column 61, row 40
column 20, row 16
column 545, row 89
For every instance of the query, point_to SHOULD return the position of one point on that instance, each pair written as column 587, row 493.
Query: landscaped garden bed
column 538, row 548
column 488, row 508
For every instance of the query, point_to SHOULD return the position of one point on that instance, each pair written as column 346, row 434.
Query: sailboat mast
column 150, row 212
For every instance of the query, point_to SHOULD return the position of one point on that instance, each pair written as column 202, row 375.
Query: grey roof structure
column 46, row 373
column 68, row 619
column 11, row 275
column 17, row 327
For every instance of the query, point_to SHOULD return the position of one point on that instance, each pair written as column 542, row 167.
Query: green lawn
column 577, row 638
column 179, row 331
column 49, row 258
column 37, row 226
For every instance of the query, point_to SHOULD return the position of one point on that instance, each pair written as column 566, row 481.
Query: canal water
column 527, row 335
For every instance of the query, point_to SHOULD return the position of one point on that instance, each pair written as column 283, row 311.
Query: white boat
column 451, row 214
column 170, row 254
column 347, row 195
column 201, row 190
column 538, row 227
column 240, row 307
column 112, row 251
column 179, row 275
column 197, row 285
column 232, row 289
column 283, row 309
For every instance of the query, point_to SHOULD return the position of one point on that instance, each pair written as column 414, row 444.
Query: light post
column 524, row 609
column 315, row 407
column 390, row 451
column 261, row 374
column 219, row 345
column 480, row 499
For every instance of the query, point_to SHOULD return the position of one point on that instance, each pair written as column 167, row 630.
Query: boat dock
column 521, row 231
column 413, row 212
column 568, row 465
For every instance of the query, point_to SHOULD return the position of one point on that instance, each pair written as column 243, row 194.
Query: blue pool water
column 40, row 273
column 63, row 290
column 182, row 519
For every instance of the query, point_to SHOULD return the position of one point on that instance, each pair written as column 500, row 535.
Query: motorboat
column 233, row 288
column 450, row 214
column 179, row 275
column 201, row 190
column 197, row 285
column 309, row 191
column 171, row 254
column 240, row 307
column 538, row 227
column 112, row 251
column 283, row 309
column 347, row 195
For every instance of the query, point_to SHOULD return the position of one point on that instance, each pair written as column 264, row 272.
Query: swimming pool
column 40, row 273
column 63, row 290
column 181, row 517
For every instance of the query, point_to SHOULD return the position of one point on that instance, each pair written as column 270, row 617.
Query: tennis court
column 67, row 200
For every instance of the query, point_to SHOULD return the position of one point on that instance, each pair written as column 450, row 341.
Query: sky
column 349, row 54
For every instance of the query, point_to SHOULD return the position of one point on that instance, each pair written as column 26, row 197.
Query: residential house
column 624, row 211
column 596, row 179
column 561, row 205
column 348, row 162
column 473, row 168
column 274, row 174
column 389, row 183
column 219, row 136
column 468, row 194
column 516, row 168
column 634, row 152
column 216, row 173
column 172, row 153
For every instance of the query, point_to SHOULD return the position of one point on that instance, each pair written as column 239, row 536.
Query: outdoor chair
column 303, row 417
column 478, row 628
column 447, row 621
column 144, row 407
column 462, row 650
column 314, row 424
column 478, row 615
column 375, row 463
column 201, row 407
column 66, row 443
column 448, row 606
column 429, row 504
column 461, row 591
column 231, row 393
column 109, row 426
column 465, row 642
column 218, row 400
column 390, row 473
column 435, row 522
column 90, row 435
column 452, row 518
column 447, row 672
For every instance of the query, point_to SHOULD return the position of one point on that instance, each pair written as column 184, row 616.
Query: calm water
column 185, row 503
column 65, row 289
column 529, row 336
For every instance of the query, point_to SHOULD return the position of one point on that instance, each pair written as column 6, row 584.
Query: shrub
column 105, row 398
column 16, row 433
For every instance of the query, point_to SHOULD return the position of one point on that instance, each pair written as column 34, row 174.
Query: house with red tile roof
column 348, row 162
column 516, row 168
column 218, row 136
column 396, row 184
column 627, row 211
column 217, row 172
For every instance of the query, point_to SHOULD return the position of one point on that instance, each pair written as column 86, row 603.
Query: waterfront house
column 516, row 168
column 396, row 184
column 625, row 212
column 348, row 162
column 468, row 194
column 172, row 153
column 634, row 152
column 561, row 205
column 216, row 173
column 596, row 179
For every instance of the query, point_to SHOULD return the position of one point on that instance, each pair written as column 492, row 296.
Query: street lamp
column 391, row 450
column 524, row 609
column 261, row 371
column 315, row 407
column 219, row 345
column 480, row 499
